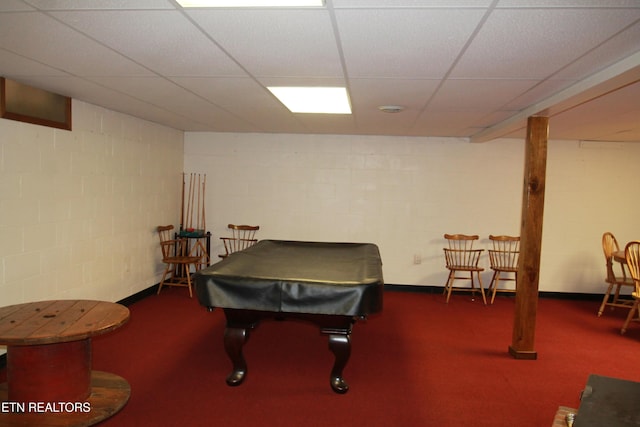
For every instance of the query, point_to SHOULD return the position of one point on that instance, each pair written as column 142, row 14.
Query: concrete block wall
column 78, row 209
column 404, row 193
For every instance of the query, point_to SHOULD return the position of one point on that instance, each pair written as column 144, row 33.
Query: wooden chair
column 462, row 262
column 242, row 237
column 632, row 253
column 504, row 262
column 609, row 246
column 177, row 259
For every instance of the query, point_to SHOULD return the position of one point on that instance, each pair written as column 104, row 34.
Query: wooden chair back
column 632, row 254
column 460, row 254
column 178, row 260
column 505, row 252
column 171, row 246
column 242, row 237
column 609, row 246
column 612, row 297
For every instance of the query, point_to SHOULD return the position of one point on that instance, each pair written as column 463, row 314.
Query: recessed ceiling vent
column 390, row 108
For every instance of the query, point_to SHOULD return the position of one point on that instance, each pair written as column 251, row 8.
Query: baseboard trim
column 541, row 294
column 138, row 296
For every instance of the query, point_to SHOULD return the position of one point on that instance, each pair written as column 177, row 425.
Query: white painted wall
column 78, row 210
column 404, row 193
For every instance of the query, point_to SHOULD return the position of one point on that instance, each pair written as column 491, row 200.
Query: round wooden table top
column 57, row 321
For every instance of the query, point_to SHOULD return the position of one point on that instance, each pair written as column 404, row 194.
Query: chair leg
column 473, row 287
column 446, row 284
column 633, row 310
column 187, row 272
column 605, row 300
column 181, row 271
column 495, row 281
column 451, row 279
column 449, row 286
column 617, row 294
column 484, row 298
column 164, row 276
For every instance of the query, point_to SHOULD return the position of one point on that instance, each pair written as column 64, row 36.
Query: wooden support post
column 526, row 302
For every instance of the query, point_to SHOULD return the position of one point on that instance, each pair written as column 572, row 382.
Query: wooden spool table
column 49, row 376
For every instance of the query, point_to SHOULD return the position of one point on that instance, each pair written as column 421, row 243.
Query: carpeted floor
column 419, row 363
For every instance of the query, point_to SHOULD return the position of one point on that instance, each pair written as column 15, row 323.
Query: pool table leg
column 336, row 327
column 234, row 340
column 340, row 346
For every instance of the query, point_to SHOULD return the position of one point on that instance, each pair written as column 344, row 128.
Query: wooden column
column 526, row 303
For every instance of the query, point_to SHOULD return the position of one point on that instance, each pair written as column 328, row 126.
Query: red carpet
column 419, row 363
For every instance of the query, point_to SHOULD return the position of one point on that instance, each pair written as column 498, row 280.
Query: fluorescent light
column 323, row 100
column 250, row 3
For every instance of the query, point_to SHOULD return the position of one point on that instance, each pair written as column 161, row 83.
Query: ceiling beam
column 616, row 76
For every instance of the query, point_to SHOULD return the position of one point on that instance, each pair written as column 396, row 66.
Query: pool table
column 330, row 284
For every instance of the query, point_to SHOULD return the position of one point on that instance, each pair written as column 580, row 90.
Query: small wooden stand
column 49, row 376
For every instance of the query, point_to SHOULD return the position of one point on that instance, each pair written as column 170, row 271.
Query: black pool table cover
column 296, row 277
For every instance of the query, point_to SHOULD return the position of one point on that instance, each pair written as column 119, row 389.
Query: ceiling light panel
column 251, row 3
column 321, row 100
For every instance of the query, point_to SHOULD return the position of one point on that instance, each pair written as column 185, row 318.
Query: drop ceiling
column 463, row 68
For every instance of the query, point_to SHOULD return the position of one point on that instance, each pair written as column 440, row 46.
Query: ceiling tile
column 613, row 50
column 302, row 81
column 13, row 5
column 244, row 98
column 16, row 65
column 459, row 67
column 567, row 3
column 374, row 121
column 275, row 42
column 468, row 95
column 328, row 123
column 369, row 94
column 165, row 94
column 517, row 43
column 28, row 33
column 409, row 3
column 100, row 4
column 407, row 43
column 159, row 35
